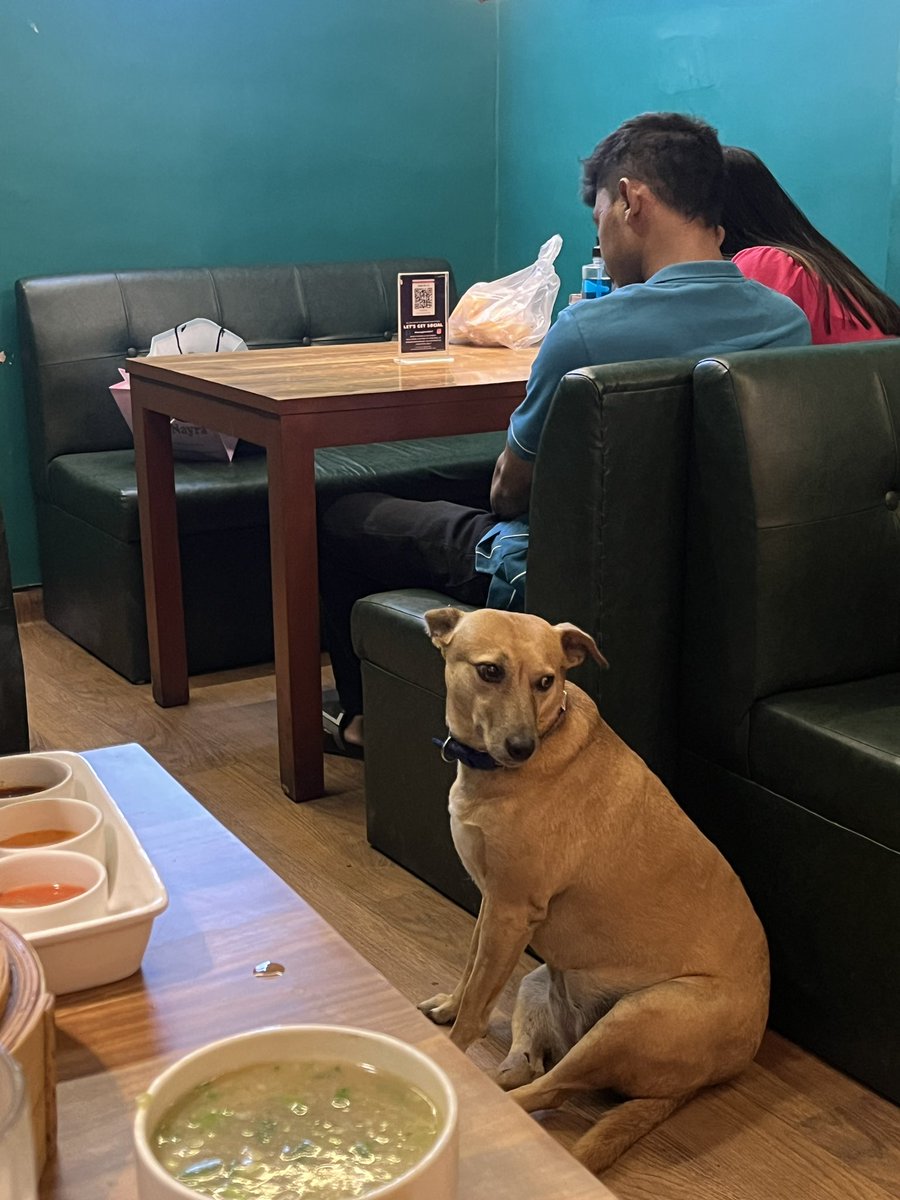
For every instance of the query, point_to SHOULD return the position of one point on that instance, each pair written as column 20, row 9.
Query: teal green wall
column 811, row 85
column 893, row 271
column 220, row 131
column 162, row 134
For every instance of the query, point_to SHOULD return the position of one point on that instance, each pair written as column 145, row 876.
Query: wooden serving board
column 4, row 978
column 27, row 1033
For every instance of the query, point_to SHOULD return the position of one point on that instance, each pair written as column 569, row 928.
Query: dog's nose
column 519, row 748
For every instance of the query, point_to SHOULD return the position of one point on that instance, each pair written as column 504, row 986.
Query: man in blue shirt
column 655, row 186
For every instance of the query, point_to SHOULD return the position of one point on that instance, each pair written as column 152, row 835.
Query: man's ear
column 577, row 645
column 441, row 623
column 633, row 195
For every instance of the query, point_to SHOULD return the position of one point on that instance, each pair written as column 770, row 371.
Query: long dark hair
column 759, row 212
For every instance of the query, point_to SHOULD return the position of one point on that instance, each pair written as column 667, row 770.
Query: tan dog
column 656, row 975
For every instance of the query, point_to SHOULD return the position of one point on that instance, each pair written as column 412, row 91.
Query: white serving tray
column 86, row 954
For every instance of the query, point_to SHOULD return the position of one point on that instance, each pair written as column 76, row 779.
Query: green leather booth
column 730, row 533
column 13, row 707
column 75, row 331
column 791, row 678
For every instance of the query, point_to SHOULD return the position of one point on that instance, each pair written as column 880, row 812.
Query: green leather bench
column 730, row 534
column 75, row 332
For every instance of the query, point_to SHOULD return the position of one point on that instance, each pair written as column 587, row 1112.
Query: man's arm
column 563, row 350
column 511, row 485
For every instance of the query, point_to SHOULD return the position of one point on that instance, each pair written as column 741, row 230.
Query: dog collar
column 454, row 751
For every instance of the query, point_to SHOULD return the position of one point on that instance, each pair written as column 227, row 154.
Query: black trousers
column 369, row 542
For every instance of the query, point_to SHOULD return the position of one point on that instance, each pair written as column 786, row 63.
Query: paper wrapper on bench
column 199, row 336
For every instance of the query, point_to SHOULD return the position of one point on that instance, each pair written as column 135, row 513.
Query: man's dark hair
column 677, row 156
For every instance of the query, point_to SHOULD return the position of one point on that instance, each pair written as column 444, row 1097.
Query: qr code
column 423, row 297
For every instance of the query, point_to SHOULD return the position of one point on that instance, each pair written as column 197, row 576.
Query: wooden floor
column 789, row 1128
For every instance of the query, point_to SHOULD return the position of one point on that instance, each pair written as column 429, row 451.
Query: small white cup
column 53, row 867
column 38, row 774
column 84, row 821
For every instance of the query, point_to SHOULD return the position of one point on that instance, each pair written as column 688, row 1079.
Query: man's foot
column 342, row 736
column 353, row 731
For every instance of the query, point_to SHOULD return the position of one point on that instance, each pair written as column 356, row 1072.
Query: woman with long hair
column 773, row 242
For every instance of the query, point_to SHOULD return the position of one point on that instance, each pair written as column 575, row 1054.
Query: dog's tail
column 621, row 1127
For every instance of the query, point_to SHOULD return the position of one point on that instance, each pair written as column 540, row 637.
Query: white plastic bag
column 514, row 311
column 199, row 336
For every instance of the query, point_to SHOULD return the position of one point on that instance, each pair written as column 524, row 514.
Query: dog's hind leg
column 534, row 1037
column 658, row 1046
column 661, row 1041
column 595, row 1062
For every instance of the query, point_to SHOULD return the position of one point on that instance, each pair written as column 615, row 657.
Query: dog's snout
column 519, row 747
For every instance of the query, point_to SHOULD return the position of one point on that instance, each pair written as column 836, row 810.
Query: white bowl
column 38, row 773
column 434, row 1177
column 53, row 866
column 79, row 818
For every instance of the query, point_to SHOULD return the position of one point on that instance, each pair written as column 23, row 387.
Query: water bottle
column 595, row 282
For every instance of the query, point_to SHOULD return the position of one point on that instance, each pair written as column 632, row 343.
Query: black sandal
column 334, row 720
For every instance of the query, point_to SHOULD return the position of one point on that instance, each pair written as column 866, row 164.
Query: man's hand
column 511, row 485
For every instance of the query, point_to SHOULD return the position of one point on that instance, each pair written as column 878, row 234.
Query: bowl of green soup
column 298, row 1111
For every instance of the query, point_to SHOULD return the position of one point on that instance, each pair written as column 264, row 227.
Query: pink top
column 776, row 269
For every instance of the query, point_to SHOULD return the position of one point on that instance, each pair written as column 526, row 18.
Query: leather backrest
column 607, row 538
column 76, row 330
column 794, row 531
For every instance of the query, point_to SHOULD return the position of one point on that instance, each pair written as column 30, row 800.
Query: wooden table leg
column 159, row 550
column 295, row 603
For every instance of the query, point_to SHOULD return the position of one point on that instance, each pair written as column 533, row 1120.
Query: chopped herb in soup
column 329, row 1130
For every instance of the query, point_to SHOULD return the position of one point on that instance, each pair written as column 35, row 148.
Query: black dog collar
column 454, row 751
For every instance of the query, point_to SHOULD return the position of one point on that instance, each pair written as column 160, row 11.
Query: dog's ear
column 577, row 645
column 441, row 623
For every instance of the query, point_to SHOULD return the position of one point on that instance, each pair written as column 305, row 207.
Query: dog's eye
column 545, row 683
column 490, row 672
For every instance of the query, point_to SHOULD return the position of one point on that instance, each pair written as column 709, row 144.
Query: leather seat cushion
column 389, row 632
column 835, row 750
column 99, row 487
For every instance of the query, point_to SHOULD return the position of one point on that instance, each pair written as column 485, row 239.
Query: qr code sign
column 423, row 297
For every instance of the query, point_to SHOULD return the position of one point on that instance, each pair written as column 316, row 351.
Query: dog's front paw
column 441, row 1009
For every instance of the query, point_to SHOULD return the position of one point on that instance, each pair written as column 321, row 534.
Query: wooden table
column 227, row 912
column 291, row 402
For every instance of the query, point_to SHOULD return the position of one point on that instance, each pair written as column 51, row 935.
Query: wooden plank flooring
column 790, row 1128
